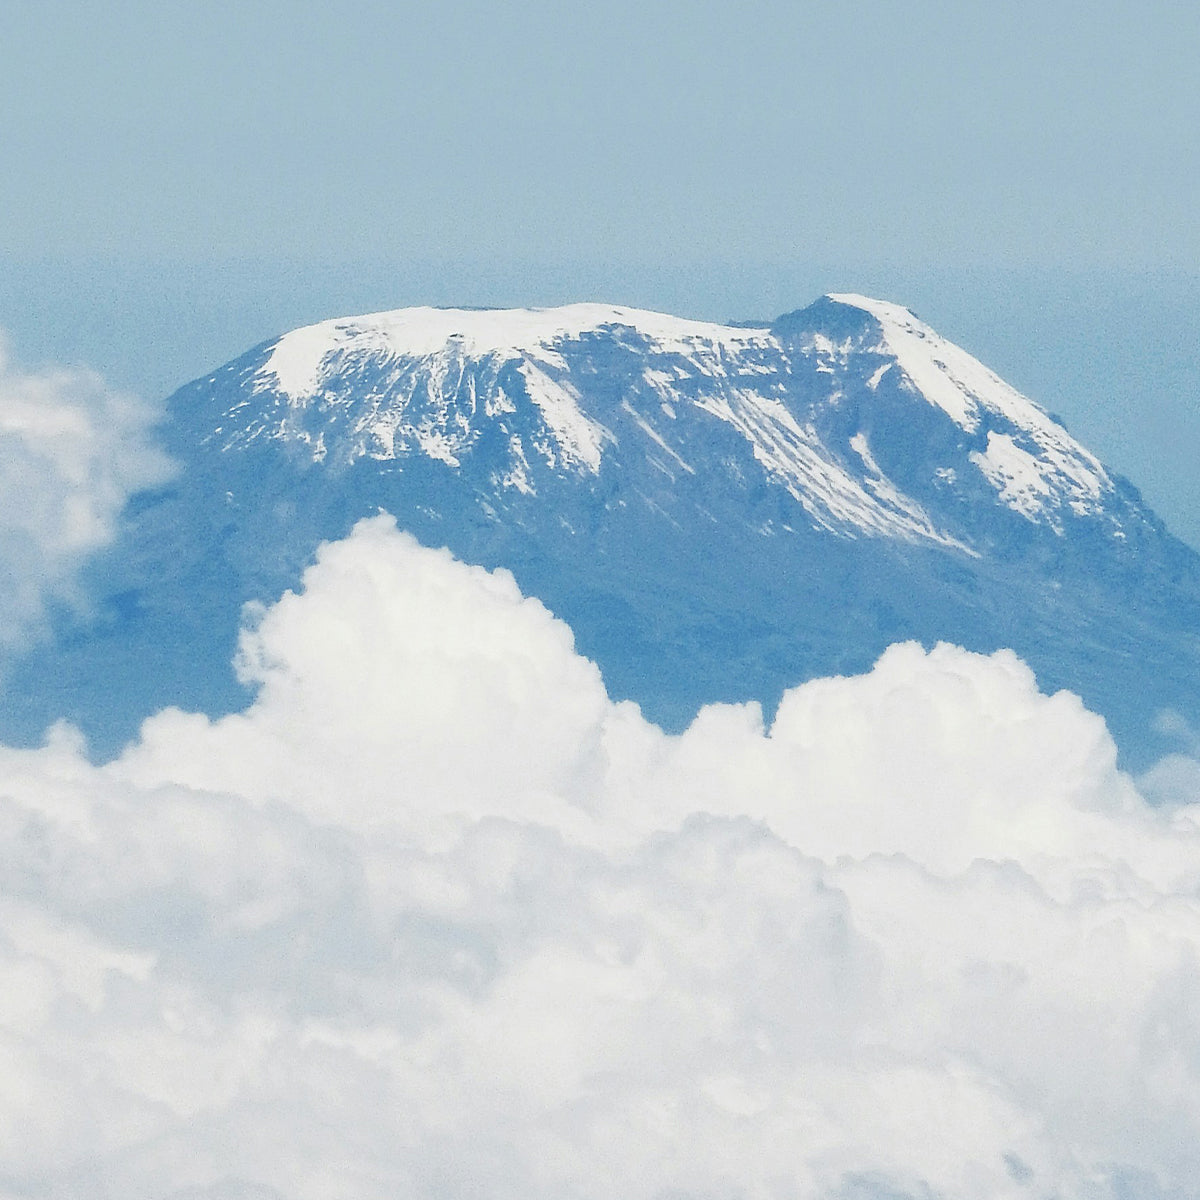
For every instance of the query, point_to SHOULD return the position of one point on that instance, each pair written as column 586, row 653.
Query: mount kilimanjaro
column 718, row 512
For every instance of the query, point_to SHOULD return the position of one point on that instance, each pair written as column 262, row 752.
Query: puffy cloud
column 1177, row 774
column 433, row 917
column 71, row 453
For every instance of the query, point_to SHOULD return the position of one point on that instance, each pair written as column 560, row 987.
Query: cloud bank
column 434, row 917
column 72, row 451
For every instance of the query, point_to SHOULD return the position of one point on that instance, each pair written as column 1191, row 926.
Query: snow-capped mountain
column 443, row 383
column 717, row 511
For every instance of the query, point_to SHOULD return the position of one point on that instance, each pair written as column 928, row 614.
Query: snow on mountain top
column 1036, row 467
column 945, row 374
column 950, row 378
column 297, row 358
column 942, row 372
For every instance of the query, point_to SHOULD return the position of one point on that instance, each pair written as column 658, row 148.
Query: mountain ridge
column 718, row 512
column 442, row 340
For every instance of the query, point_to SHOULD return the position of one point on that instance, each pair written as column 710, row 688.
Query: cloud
column 72, row 451
column 1176, row 774
column 433, row 917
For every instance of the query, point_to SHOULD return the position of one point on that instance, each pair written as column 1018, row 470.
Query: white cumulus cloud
column 434, row 917
column 72, row 451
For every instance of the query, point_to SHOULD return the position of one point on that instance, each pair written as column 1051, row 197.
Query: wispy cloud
column 72, row 451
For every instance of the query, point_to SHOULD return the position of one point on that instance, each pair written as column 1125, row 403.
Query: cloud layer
column 435, row 918
column 72, row 451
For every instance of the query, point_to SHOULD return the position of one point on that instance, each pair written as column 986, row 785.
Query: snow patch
column 873, row 382
column 1037, row 485
column 580, row 439
column 655, row 436
column 795, row 455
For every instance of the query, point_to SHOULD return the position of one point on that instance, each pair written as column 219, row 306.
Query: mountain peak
column 559, row 388
column 881, row 310
column 298, row 360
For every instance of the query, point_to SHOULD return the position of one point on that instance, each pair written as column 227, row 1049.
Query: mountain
column 719, row 512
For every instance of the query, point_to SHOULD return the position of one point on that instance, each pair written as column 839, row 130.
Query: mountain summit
column 443, row 383
column 719, row 512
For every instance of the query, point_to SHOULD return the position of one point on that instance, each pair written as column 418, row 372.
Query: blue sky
column 182, row 181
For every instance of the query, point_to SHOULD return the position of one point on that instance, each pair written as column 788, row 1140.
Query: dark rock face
column 719, row 513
